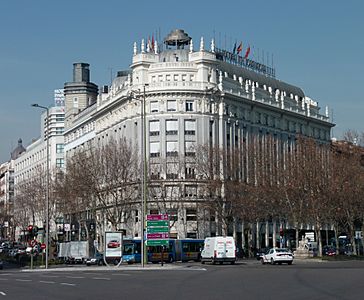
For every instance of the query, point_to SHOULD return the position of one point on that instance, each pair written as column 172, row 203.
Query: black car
column 1, row 265
column 260, row 252
column 97, row 259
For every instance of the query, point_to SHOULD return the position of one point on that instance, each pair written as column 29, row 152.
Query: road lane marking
column 43, row 281
column 4, row 279
column 70, row 284
column 2, row 293
column 50, row 276
column 100, row 278
column 121, row 274
column 75, row 277
column 23, row 280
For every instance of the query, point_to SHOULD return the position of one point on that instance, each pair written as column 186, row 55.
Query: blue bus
column 188, row 249
column 177, row 250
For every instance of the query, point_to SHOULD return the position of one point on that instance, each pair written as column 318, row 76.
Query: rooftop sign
column 247, row 63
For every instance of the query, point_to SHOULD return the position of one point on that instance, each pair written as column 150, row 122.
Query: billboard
column 113, row 244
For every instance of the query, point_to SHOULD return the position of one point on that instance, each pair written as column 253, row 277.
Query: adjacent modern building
column 32, row 163
column 194, row 95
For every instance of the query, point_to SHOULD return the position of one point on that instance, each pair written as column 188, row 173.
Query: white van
column 219, row 249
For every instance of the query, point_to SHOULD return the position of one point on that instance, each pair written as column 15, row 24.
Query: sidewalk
column 136, row 267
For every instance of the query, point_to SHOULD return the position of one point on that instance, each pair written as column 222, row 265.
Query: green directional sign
column 157, row 223
column 157, row 229
column 157, row 242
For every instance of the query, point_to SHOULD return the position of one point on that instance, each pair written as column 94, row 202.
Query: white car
column 277, row 256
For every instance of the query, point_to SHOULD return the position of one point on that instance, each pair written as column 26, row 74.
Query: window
column 184, row 77
column 190, row 172
column 154, row 79
column 154, row 211
column 172, row 191
column 190, row 127
column 189, row 105
column 154, row 149
column 190, row 191
column 154, row 128
column 172, row 172
column 190, row 148
column 171, row 127
column 59, row 130
column 155, row 171
column 154, row 107
column 168, row 77
column 191, row 214
column 59, row 148
column 75, row 102
column 175, row 77
column 59, row 162
column 171, row 105
column 160, row 78
column 172, row 148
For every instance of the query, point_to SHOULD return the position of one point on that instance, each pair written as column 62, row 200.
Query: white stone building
column 193, row 96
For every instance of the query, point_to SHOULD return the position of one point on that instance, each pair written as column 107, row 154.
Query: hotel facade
column 194, row 95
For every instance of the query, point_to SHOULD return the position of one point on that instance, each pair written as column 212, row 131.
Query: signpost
column 158, row 230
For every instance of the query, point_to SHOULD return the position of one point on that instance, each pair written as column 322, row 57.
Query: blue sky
column 317, row 45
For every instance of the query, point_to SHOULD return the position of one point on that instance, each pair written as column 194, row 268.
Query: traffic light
column 32, row 230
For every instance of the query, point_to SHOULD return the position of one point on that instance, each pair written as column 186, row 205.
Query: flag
column 149, row 44
column 152, row 42
column 234, row 48
column 247, row 53
column 240, row 48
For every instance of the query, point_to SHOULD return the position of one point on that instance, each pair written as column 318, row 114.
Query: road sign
column 157, row 223
column 43, row 246
column 157, row 217
column 157, row 242
column 153, row 236
column 160, row 229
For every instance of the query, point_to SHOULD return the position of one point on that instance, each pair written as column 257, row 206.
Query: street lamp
column 47, row 185
column 144, row 161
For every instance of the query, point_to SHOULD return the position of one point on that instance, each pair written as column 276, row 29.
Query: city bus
column 188, row 249
column 132, row 252
column 177, row 250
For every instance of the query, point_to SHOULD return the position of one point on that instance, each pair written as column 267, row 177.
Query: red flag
column 153, row 42
column 247, row 53
column 240, row 48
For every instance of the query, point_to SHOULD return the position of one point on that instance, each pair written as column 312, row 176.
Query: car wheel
column 232, row 263
column 262, row 261
column 290, row 263
column 202, row 262
column 220, row 262
column 272, row 261
column 213, row 261
column 279, row 263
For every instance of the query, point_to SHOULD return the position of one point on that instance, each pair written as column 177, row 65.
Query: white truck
column 219, row 249
column 74, row 252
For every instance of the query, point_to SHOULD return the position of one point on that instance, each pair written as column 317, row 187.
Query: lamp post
column 144, row 189
column 47, row 186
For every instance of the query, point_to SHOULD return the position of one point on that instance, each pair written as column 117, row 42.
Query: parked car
column 113, row 244
column 260, row 252
column 98, row 259
column 329, row 251
column 277, row 255
column 1, row 264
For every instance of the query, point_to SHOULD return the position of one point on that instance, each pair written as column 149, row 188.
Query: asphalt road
column 245, row 280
